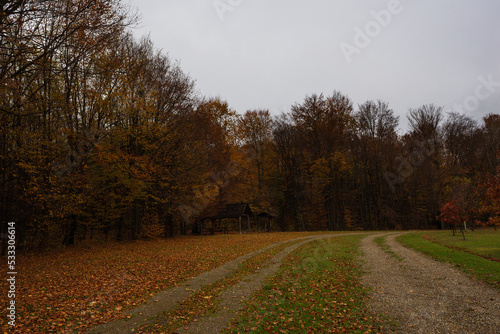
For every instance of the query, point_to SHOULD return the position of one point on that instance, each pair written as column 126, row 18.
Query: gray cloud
column 270, row 54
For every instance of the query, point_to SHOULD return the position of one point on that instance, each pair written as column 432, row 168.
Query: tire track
column 426, row 296
column 167, row 300
column 233, row 299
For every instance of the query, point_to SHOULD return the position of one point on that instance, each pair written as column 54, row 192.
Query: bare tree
column 461, row 138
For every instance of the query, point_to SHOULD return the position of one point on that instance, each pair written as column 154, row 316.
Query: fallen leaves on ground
column 72, row 290
column 205, row 300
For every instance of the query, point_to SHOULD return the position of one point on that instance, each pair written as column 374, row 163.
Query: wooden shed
column 264, row 219
column 232, row 211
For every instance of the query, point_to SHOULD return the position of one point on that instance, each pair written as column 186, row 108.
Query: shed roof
column 234, row 211
column 266, row 215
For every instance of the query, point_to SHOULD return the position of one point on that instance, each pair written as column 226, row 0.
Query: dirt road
column 426, row 296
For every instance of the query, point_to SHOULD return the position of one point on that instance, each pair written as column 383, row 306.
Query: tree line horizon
column 105, row 137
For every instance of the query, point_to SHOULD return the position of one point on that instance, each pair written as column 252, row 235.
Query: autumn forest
column 104, row 137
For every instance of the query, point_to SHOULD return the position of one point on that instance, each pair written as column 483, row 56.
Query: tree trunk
column 69, row 238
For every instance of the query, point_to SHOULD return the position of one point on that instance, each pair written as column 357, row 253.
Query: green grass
column 483, row 269
column 483, row 242
column 317, row 290
column 380, row 241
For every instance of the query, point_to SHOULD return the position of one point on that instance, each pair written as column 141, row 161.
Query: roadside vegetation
column 468, row 256
column 317, row 291
column 482, row 242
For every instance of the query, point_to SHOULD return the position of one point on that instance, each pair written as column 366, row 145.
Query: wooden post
column 239, row 222
column 248, row 220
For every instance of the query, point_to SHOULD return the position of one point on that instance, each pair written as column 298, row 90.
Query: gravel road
column 426, row 296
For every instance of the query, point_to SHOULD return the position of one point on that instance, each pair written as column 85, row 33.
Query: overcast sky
column 270, row 54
